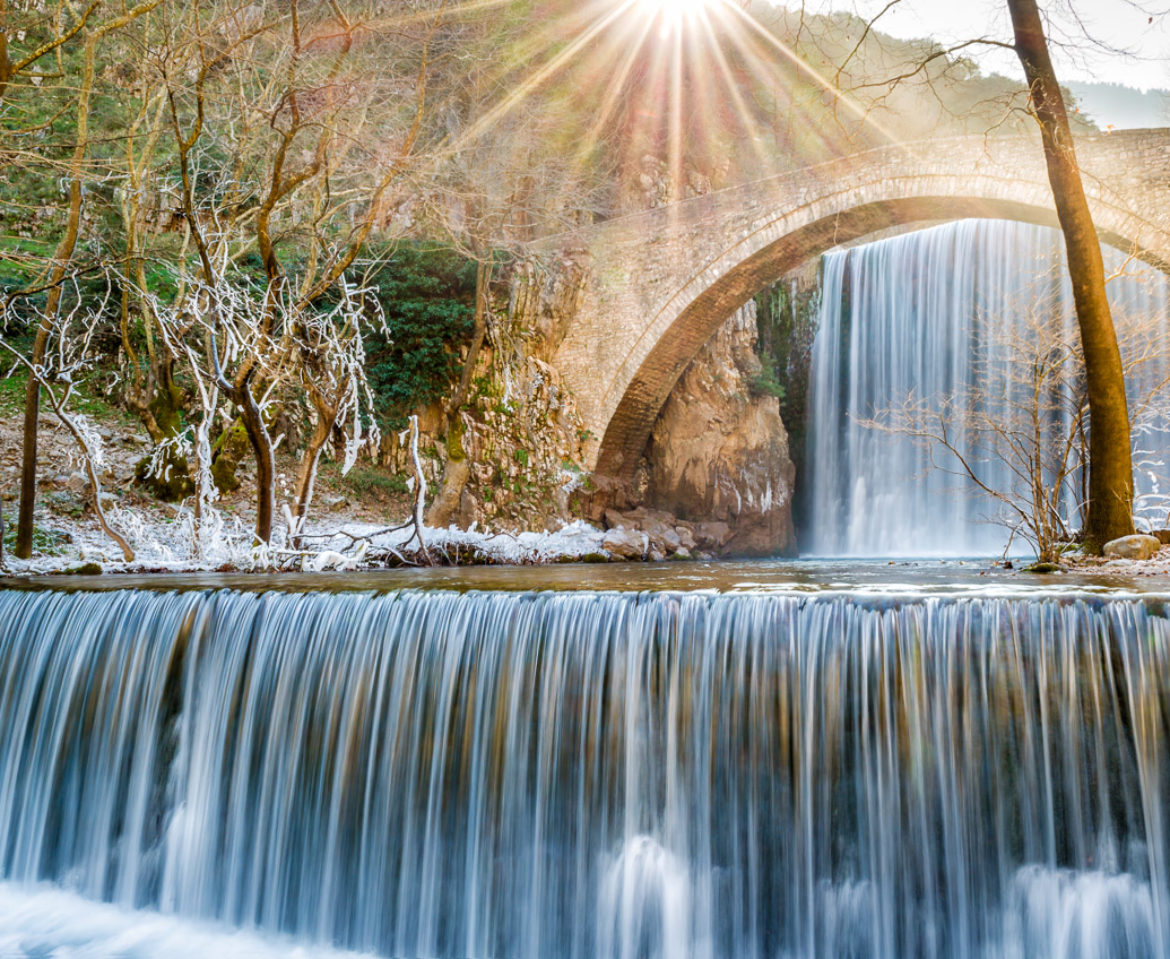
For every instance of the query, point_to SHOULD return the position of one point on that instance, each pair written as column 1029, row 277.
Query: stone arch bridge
column 656, row 285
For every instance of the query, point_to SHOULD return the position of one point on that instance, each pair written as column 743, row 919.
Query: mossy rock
column 85, row 569
column 1042, row 568
column 174, row 483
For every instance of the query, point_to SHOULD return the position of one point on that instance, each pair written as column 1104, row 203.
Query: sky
column 1140, row 58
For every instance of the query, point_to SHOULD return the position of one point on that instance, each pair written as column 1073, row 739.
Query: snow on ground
column 167, row 545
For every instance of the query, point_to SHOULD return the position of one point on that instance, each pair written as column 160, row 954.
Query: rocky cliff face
column 719, row 454
column 717, row 477
column 519, row 436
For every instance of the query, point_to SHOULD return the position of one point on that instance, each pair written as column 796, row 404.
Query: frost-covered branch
column 67, row 356
column 332, row 370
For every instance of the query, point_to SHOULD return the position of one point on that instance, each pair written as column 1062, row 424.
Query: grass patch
column 365, row 480
column 89, row 397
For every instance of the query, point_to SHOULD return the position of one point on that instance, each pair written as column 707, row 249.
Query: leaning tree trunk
column 458, row 470
column 1110, row 504
column 307, row 474
column 32, row 393
column 265, row 459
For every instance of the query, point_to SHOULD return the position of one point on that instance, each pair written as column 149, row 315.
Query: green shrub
column 428, row 296
column 766, row 382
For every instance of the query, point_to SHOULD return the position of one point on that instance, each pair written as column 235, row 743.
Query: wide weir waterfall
column 948, row 319
column 583, row 775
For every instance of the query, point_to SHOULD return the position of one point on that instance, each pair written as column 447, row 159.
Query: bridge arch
column 662, row 282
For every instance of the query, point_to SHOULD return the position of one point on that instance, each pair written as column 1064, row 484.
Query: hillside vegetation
column 281, row 228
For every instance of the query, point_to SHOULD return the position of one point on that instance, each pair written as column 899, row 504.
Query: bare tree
column 1018, row 435
column 64, row 354
column 332, row 371
column 291, row 201
column 61, row 266
column 1109, row 511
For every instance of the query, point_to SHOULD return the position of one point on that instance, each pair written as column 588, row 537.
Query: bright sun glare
column 675, row 9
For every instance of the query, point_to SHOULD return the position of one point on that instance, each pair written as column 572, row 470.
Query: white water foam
column 41, row 921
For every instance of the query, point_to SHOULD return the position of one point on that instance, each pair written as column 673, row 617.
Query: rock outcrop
column 718, row 455
column 517, row 444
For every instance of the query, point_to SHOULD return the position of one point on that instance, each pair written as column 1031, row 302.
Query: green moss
column 228, row 452
column 171, row 483
column 455, row 449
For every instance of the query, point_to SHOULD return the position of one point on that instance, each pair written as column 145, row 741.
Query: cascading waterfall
column 910, row 317
column 586, row 775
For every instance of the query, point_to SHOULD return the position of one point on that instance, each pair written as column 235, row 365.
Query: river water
column 766, row 760
column 751, row 760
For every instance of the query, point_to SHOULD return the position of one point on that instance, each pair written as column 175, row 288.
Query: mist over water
column 583, row 775
column 939, row 316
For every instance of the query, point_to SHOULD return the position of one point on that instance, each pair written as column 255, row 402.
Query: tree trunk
column 91, row 471
column 1109, row 510
column 28, row 460
column 457, row 470
column 446, row 502
column 60, row 270
column 5, row 63
column 265, row 460
column 307, row 476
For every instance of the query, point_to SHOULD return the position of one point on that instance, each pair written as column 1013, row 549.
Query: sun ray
column 613, row 91
column 719, row 56
column 840, row 96
column 546, row 72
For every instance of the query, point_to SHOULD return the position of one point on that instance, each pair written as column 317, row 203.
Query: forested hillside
column 266, row 228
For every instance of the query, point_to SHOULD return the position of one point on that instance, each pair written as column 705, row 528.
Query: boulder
column 1141, row 546
column 65, row 503
column 712, row 536
column 625, row 543
column 615, row 520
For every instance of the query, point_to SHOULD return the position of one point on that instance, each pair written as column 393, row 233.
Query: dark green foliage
column 46, row 542
column 428, row 295
column 786, row 317
column 767, row 382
